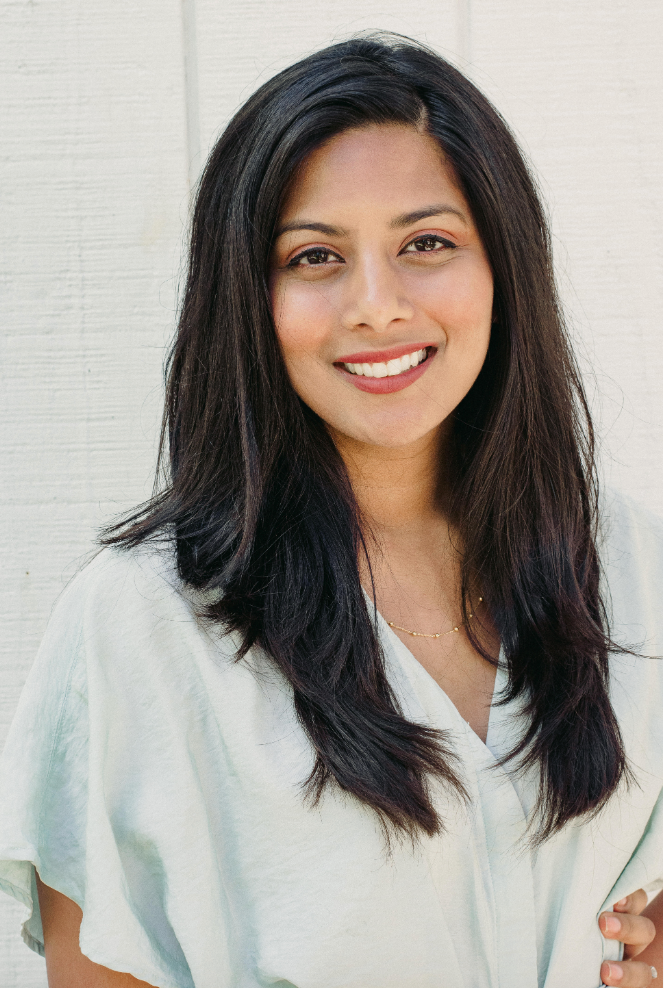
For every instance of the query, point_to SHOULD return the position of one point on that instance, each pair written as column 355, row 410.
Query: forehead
column 385, row 164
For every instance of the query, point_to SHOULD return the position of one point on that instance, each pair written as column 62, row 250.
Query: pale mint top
column 155, row 782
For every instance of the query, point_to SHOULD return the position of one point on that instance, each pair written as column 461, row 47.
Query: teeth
column 389, row 369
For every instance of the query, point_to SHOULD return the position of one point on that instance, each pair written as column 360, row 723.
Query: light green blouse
column 156, row 782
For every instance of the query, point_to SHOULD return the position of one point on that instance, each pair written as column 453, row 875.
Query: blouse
column 157, row 782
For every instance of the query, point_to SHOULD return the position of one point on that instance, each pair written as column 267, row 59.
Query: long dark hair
column 257, row 500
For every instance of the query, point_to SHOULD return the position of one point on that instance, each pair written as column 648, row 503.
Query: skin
column 372, row 288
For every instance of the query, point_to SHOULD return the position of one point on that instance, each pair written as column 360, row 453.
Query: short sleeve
column 43, row 773
column 54, row 816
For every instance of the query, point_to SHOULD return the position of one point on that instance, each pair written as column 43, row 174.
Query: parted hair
column 256, row 503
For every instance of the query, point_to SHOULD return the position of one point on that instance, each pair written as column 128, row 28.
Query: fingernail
column 615, row 972
column 622, row 902
column 611, row 924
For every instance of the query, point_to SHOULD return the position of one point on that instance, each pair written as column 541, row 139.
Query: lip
column 382, row 356
column 387, row 385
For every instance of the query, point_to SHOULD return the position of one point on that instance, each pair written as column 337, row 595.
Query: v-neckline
column 499, row 683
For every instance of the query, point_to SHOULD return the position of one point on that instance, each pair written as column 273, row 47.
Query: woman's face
column 380, row 288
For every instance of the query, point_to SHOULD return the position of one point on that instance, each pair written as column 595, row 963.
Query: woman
column 364, row 696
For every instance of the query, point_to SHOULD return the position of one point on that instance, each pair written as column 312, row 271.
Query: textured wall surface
column 107, row 111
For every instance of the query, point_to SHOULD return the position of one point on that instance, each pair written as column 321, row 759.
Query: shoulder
column 127, row 622
column 629, row 533
column 630, row 548
column 121, row 586
column 146, row 568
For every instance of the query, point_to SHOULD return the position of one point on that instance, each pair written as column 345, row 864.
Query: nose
column 375, row 296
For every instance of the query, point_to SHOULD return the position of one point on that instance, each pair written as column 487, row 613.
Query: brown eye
column 428, row 244
column 315, row 256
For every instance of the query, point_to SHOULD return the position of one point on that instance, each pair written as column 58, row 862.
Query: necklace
column 420, row 634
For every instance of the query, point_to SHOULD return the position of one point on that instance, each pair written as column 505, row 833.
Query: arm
column 66, row 966
column 640, row 929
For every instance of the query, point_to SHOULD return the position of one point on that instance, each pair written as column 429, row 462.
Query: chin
column 390, row 435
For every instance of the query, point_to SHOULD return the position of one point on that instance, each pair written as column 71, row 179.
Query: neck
column 397, row 488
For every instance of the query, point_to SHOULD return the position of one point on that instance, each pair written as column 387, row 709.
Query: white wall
column 106, row 108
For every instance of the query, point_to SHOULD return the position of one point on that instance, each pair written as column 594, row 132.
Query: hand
column 637, row 932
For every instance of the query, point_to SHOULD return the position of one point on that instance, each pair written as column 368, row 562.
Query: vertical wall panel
column 94, row 197
column 94, row 194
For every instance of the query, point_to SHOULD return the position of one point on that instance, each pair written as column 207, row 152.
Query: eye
column 427, row 244
column 315, row 256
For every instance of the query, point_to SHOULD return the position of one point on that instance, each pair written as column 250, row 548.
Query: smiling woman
column 365, row 696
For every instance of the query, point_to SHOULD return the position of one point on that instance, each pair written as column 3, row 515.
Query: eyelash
column 321, row 250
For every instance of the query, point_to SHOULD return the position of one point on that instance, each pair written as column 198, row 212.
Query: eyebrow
column 422, row 214
column 405, row 219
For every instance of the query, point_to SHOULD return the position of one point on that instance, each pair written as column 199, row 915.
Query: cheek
column 464, row 308
column 302, row 319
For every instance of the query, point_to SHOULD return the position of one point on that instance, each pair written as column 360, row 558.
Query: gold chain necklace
column 420, row 634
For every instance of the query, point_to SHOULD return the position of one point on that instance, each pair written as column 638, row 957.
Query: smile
column 389, row 369
column 399, row 368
